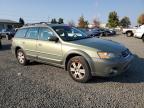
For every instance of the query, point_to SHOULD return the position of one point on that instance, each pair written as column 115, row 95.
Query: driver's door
column 49, row 51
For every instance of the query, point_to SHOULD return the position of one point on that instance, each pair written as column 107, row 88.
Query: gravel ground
column 42, row 86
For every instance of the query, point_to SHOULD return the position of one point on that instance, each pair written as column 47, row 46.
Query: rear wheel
column 21, row 57
column 129, row 33
column 79, row 69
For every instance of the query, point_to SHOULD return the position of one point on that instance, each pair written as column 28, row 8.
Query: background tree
column 86, row 24
column 71, row 23
column 125, row 22
column 60, row 21
column 138, row 20
column 141, row 19
column 96, row 23
column 21, row 21
column 113, row 19
column 54, row 21
column 82, row 23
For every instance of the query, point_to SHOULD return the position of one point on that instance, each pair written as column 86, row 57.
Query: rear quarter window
column 21, row 33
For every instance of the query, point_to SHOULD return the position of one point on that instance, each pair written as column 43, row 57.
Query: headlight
column 106, row 55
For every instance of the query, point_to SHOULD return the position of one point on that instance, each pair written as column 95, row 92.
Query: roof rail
column 33, row 24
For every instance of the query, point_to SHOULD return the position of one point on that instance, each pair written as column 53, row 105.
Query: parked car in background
column 109, row 32
column 117, row 29
column 69, row 48
column 94, row 33
column 98, row 31
column 8, row 34
column 83, row 30
column 104, row 32
column 90, row 33
column 129, row 31
column 140, row 32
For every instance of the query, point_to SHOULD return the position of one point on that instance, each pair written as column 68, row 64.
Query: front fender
column 81, row 53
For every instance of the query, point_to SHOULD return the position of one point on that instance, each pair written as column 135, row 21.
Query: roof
column 8, row 21
column 41, row 25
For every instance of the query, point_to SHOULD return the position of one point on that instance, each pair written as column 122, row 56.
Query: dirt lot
column 41, row 86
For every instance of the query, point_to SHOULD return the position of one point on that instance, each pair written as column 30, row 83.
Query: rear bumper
column 106, row 68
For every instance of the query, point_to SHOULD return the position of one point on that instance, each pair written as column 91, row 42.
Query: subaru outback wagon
column 67, row 47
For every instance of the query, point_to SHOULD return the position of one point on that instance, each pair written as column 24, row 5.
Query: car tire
column 143, row 38
column 21, row 57
column 129, row 34
column 78, row 69
column 101, row 34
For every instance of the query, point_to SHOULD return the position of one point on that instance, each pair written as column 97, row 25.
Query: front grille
column 125, row 53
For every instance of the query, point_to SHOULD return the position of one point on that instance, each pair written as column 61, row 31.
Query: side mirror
column 53, row 38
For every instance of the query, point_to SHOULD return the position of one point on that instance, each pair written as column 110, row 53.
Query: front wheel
column 78, row 69
column 21, row 57
column 129, row 34
column 143, row 38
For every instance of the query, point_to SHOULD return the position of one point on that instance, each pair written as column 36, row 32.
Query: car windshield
column 68, row 33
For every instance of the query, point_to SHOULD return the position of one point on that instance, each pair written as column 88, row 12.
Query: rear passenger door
column 30, row 41
column 48, row 50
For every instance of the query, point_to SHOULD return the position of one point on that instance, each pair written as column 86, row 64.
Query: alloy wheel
column 21, row 57
column 77, row 70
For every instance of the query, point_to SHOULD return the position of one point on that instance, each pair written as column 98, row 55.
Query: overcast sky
column 42, row 10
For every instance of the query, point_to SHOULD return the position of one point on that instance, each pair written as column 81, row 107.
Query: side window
column 32, row 33
column 21, row 33
column 45, row 33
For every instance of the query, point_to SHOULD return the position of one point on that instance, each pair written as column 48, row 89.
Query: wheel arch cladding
column 74, row 53
column 16, row 49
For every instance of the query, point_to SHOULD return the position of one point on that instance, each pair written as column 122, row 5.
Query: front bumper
column 138, row 35
column 106, row 68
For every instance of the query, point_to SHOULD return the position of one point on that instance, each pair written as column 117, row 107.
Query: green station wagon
column 67, row 47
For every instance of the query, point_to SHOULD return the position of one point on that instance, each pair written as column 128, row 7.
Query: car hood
column 101, row 44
